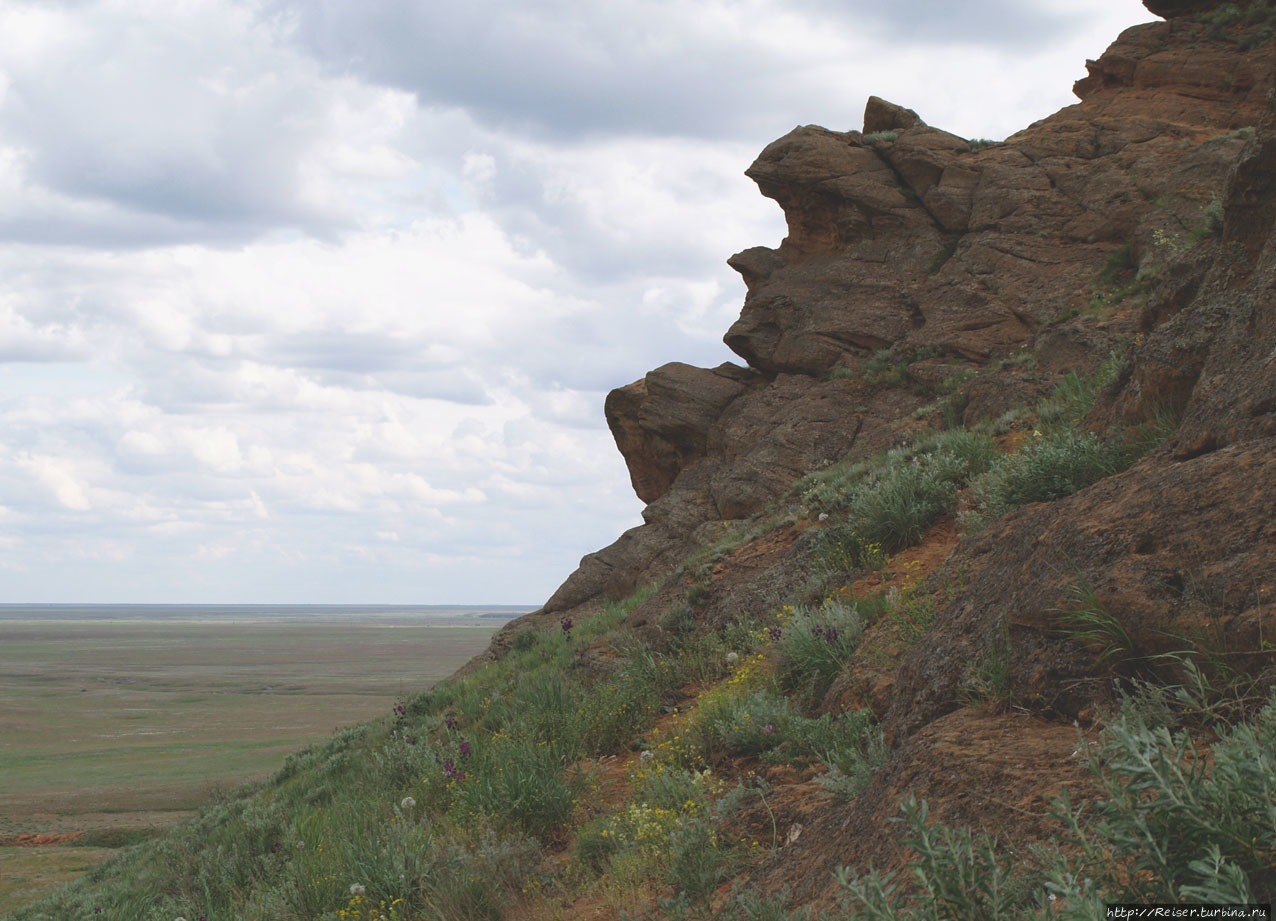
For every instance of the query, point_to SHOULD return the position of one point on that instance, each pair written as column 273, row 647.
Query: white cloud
column 320, row 302
column 60, row 478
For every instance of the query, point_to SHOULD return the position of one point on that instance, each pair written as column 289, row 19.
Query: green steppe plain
column 114, row 729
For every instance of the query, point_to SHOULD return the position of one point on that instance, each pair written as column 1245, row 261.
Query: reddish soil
column 31, row 840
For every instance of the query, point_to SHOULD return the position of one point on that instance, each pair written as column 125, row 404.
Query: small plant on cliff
column 959, row 876
column 1083, row 618
column 894, row 507
column 1049, row 467
column 990, row 679
column 816, row 643
column 878, row 137
column 1174, row 823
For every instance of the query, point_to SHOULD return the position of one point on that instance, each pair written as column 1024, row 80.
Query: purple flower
column 566, row 624
column 450, row 722
column 400, row 710
column 464, row 748
column 818, row 630
column 768, row 729
column 830, row 634
column 777, row 633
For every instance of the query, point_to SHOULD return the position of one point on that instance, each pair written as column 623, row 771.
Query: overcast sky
column 318, row 300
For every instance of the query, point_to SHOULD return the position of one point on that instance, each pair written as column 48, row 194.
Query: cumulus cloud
column 144, row 123
column 319, row 301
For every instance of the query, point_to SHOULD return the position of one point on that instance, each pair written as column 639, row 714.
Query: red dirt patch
column 32, row 840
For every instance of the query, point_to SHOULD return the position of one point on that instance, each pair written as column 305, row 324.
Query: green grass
column 27, row 873
column 115, row 729
column 1177, row 821
column 816, row 643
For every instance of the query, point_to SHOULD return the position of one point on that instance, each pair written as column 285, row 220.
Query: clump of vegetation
column 1049, row 467
column 893, row 498
column 946, row 252
column 1258, row 18
column 1058, row 457
column 816, row 643
column 878, row 137
column 1177, row 822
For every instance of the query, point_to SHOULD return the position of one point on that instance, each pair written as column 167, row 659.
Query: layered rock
column 1156, row 193
column 904, row 237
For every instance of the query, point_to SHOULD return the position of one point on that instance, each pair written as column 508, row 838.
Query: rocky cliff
column 909, row 239
column 967, row 571
column 931, row 282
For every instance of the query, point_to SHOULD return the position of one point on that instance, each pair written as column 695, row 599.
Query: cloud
column 136, row 124
column 715, row 70
column 320, row 301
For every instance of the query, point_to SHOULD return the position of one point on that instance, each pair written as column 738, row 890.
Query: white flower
column 823, row 516
column 732, row 658
column 407, row 803
column 646, row 755
column 357, row 889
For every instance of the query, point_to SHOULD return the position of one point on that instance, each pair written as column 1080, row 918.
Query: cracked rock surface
column 907, row 240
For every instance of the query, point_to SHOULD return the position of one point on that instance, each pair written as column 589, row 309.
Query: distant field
column 110, row 726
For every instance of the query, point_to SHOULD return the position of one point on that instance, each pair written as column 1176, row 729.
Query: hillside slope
column 988, row 518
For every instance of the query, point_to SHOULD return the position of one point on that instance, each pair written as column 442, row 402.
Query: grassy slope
column 590, row 774
column 132, row 726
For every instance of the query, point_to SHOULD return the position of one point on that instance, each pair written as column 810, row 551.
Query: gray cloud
column 649, row 67
column 416, row 250
column 1009, row 24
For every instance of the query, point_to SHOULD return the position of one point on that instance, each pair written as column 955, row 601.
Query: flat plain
column 112, row 728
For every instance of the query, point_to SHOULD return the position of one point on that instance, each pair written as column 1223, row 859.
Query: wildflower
column 777, row 633
column 407, row 803
column 732, row 658
column 646, row 755
column 566, row 624
column 464, row 749
column 400, row 710
column 450, row 722
column 357, row 889
column 768, row 729
column 823, row 516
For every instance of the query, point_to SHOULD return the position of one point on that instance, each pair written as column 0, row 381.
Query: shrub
column 912, row 611
column 522, row 779
column 1174, row 824
column 816, row 643
column 959, row 877
column 916, row 487
column 697, row 859
column 1177, row 822
column 750, row 906
column 764, row 723
column 1050, row 467
column 620, row 707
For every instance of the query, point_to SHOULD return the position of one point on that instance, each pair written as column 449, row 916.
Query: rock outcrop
column 905, row 240
column 922, row 269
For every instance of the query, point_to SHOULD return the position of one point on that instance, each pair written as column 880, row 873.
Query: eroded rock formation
column 909, row 239
column 920, row 264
